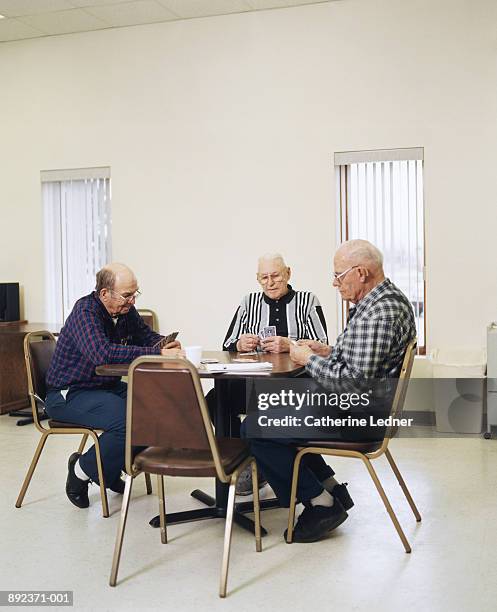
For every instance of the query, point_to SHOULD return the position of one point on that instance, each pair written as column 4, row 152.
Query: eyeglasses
column 264, row 279
column 127, row 298
column 338, row 277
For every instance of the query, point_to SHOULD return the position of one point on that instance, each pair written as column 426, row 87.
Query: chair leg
column 162, row 508
column 32, row 466
column 120, row 530
column 148, row 483
column 403, row 485
column 101, row 480
column 227, row 536
column 257, row 507
column 82, row 444
column 293, row 497
column 388, row 506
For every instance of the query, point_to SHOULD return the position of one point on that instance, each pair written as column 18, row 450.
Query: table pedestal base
column 213, row 511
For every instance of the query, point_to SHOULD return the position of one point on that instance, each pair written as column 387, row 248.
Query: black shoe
column 317, row 521
column 117, row 486
column 340, row 492
column 76, row 489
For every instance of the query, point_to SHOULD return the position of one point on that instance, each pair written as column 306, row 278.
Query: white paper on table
column 259, row 366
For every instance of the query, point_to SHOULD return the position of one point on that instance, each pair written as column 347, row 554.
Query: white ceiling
column 36, row 18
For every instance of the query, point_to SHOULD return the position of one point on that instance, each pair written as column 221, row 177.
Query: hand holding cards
column 267, row 332
column 271, row 343
column 165, row 341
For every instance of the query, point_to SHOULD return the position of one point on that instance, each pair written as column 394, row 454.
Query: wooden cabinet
column 13, row 383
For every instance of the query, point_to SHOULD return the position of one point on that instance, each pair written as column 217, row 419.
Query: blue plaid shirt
column 90, row 338
column 374, row 342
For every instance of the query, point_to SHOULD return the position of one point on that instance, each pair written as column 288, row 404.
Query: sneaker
column 76, row 489
column 244, row 484
column 340, row 492
column 315, row 522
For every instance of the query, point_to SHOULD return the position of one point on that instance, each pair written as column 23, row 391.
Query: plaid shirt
column 374, row 342
column 90, row 338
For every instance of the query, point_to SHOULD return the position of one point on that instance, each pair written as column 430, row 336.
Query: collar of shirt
column 288, row 297
column 351, row 314
column 373, row 296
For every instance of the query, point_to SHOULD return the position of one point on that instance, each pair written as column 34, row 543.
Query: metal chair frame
column 48, row 431
column 149, row 316
column 35, row 399
column 132, row 471
column 366, row 458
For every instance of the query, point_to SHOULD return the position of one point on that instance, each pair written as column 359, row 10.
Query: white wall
column 220, row 133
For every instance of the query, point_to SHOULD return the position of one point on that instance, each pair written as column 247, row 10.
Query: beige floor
column 49, row 544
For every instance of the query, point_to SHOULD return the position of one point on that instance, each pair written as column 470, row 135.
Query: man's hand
column 318, row 348
column 173, row 353
column 172, row 345
column 300, row 354
column 276, row 344
column 247, row 343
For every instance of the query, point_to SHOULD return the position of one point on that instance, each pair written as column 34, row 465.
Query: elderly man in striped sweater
column 295, row 315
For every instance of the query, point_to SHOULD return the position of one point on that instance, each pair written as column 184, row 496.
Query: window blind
column 382, row 201
column 77, row 240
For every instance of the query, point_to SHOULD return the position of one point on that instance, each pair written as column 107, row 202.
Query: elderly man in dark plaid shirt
column 103, row 327
column 373, row 345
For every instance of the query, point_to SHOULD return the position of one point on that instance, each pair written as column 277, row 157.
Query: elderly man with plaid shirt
column 379, row 328
column 103, row 327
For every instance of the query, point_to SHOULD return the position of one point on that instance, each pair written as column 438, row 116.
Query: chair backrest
column 166, row 407
column 401, row 389
column 39, row 347
column 150, row 318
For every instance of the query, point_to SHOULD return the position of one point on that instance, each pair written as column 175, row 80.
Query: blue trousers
column 100, row 408
column 275, row 457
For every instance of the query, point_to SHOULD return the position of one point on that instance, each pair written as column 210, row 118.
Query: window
column 77, row 236
column 380, row 196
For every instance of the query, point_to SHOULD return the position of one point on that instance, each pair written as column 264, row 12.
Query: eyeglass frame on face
column 129, row 298
column 276, row 277
column 338, row 277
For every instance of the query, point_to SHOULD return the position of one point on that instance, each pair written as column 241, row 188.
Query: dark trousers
column 275, row 457
column 234, row 400
column 100, row 408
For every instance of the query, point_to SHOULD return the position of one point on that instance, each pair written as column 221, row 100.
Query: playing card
column 261, row 334
column 269, row 330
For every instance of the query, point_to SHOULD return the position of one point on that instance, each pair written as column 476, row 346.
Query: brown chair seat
column 61, row 424
column 361, row 447
column 191, row 462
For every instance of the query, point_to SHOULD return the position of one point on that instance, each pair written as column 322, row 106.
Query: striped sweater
column 297, row 315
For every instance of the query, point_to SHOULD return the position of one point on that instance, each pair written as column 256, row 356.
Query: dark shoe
column 340, row 492
column 244, row 484
column 117, row 486
column 317, row 521
column 76, row 489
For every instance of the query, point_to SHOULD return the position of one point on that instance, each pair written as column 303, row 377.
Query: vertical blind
column 381, row 200
column 77, row 237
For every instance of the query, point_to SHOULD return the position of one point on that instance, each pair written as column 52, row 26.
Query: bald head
column 112, row 274
column 271, row 258
column 361, row 253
